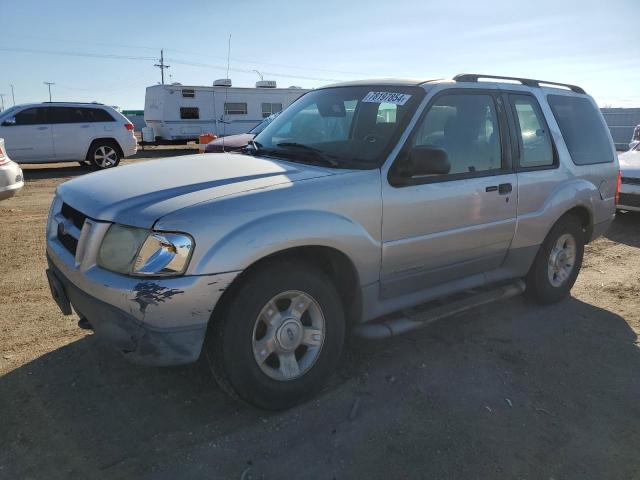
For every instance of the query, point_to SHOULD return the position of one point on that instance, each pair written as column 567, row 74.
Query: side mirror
column 9, row 122
column 428, row 160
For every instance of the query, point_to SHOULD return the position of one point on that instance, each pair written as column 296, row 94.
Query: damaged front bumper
column 152, row 321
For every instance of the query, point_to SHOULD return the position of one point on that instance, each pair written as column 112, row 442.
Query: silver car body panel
column 407, row 245
column 630, row 188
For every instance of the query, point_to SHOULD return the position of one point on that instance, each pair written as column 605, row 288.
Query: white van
column 181, row 113
column 66, row 132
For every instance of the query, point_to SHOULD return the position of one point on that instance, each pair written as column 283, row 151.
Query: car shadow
column 625, row 229
column 508, row 391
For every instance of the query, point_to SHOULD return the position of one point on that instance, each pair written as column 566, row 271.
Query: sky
column 105, row 50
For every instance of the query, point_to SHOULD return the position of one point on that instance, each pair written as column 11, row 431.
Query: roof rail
column 78, row 103
column 529, row 82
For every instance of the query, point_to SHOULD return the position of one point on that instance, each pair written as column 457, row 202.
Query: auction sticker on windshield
column 386, row 97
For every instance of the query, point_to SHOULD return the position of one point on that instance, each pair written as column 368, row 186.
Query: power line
column 48, row 84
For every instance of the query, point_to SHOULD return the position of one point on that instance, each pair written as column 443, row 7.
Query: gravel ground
column 510, row 390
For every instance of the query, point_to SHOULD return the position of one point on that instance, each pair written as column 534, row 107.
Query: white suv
column 61, row 132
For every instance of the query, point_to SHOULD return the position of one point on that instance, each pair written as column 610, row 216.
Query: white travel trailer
column 181, row 113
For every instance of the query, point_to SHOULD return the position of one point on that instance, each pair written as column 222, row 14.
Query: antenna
column 161, row 66
column 260, row 75
column 48, row 84
column 13, row 97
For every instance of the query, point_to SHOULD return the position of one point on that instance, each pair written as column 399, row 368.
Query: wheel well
column 332, row 262
column 584, row 216
column 111, row 141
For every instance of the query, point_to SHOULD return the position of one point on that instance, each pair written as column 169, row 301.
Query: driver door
column 440, row 228
column 29, row 139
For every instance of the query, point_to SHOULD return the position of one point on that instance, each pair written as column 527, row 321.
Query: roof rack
column 529, row 82
column 78, row 103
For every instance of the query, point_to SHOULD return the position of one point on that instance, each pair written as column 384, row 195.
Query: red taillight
column 128, row 126
column 618, row 186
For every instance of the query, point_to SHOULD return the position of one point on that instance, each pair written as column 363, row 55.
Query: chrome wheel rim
column 288, row 335
column 105, row 157
column 562, row 260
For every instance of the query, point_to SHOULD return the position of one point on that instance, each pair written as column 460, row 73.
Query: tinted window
column 189, row 113
column 100, row 115
column 466, row 126
column 31, row 116
column 534, row 140
column 583, row 130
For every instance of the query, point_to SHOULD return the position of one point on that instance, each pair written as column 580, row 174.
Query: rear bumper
column 129, row 147
column 11, row 180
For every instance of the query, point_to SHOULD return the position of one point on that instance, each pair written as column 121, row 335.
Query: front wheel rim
column 562, row 260
column 105, row 157
column 288, row 335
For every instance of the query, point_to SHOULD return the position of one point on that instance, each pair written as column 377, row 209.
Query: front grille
column 631, row 180
column 76, row 217
column 629, row 200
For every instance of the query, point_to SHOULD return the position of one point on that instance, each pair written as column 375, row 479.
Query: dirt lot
column 509, row 390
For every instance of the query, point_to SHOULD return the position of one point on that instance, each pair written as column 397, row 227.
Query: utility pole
column 13, row 97
column 2, row 101
column 48, row 84
column 161, row 65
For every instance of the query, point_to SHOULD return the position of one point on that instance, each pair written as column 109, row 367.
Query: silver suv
column 360, row 204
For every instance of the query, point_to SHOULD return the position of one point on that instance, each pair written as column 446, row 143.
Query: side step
column 419, row 318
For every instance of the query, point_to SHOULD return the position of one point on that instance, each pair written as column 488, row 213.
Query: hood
column 231, row 142
column 139, row 194
column 630, row 164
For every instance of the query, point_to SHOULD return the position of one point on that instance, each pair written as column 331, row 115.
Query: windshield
column 8, row 112
column 263, row 124
column 351, row 127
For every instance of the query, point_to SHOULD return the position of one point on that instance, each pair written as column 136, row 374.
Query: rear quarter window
column 100, row 115
column 582, row 128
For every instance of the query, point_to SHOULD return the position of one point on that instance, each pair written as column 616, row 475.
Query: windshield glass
column 263, row 124
column 351, row 127
column 8, row 112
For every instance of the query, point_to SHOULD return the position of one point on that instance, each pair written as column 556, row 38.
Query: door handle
column 492, row 188
column 505, row 188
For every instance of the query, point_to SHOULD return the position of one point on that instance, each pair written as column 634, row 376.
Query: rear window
column 584, row 132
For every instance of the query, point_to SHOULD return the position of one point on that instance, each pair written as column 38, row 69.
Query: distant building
column 621, row 123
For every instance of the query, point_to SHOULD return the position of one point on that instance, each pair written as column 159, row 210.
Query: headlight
column 136, row 251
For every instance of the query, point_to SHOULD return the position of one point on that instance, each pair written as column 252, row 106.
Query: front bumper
column 629, row 198
column 153, row 321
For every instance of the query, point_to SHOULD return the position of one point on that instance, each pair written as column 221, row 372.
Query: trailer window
column 269, row 109
column 235, row 108
column 189, row 113
column 188, row 93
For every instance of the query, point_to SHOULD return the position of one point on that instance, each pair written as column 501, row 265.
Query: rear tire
column 104, row 154
column 279, row 337
column 557, row 264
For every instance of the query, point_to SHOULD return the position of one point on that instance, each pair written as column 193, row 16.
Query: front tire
column 103, row 155
column 557, row 264
column 279, row 337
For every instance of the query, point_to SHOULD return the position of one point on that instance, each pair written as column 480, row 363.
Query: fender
column 532, row 227
column 252, row 241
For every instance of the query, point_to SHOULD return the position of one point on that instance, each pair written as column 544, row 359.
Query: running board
column 413, row 320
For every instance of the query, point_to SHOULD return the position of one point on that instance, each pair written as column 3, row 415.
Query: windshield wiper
column 319, row 154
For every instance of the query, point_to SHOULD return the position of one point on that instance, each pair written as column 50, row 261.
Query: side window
column 583, row 130
column 188, row 93
column 466, row 127
column 31, row 116
column 100, row 115
column 533, row 135
column 235, row 108
column 58, row 114
column 189, row 113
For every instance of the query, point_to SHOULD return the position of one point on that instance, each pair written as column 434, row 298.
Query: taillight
column 618, row 186
column 128, row 126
